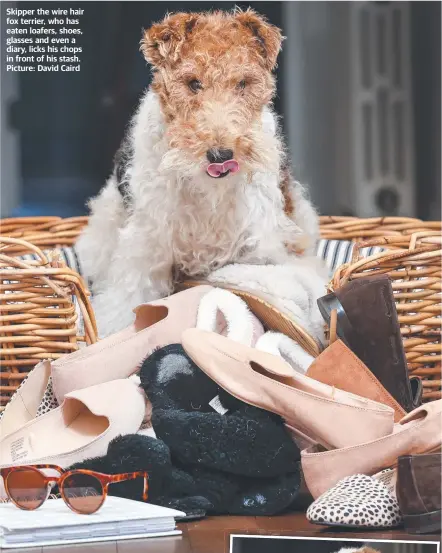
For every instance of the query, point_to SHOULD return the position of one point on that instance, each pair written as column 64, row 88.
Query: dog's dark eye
column 195, row 85
column 241, row 85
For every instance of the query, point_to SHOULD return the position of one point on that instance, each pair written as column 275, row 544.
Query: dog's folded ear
column 267, row 36
column 161, row 44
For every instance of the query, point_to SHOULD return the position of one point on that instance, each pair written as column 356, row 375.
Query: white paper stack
column 54, row 523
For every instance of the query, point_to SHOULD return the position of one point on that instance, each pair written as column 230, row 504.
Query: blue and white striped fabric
column 334, row 252
column 67, row 254
column 337, row 252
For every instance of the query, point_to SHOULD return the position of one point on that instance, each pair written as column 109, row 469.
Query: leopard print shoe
column 49, row 401
column 358, row 501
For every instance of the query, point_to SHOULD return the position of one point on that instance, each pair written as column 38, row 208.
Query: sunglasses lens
column 83, row 492
column 26, row 488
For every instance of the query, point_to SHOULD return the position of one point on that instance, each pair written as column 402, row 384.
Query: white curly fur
column 181, row 220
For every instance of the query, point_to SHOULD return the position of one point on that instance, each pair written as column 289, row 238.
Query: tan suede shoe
column 367, row 321
column 330, row 416
column 418, row 432
column 338, row 366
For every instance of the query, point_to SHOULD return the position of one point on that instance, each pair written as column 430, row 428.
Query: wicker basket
column 38, row 312
column 402, row 237
column 54, row 231
column 358, row 230
column 413, row 263
column 46, row 232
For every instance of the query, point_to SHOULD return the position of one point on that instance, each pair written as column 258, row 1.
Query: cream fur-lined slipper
column 279, row 344
column 283, row 296
column 359, row 501
column 222, row 312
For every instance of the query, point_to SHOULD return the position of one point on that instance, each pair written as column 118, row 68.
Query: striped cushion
column 334, row 252
column 68, row 255
column 337, row 252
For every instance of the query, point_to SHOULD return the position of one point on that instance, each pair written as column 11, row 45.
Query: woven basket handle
column 6, row 240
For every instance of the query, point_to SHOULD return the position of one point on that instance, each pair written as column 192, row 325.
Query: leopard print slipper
column 357, row 501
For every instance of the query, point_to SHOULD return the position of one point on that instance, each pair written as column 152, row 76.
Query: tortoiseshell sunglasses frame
column 104, row 479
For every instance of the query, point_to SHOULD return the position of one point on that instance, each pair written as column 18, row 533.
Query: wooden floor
column 211, row 535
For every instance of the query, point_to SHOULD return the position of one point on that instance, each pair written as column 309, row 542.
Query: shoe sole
column 353, row 526
column 425, row 523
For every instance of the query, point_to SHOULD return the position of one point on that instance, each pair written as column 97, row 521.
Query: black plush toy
column 212, row 453
column 168, row 486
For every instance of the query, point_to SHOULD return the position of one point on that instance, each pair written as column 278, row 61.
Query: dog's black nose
column 216, row 155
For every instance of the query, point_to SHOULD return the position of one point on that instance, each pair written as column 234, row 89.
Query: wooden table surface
column 211, row 535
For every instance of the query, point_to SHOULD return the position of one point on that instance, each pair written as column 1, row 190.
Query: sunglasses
column 83, row 491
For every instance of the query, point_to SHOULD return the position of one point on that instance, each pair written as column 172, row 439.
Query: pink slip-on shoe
column 80, row 428
column 327, row 415
column 118, row 356
column 157, row 324
column 418, row 432
column 23, row 405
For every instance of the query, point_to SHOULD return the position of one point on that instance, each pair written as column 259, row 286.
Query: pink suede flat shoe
column 325, row 414
column 157, row 324
column 420, row 431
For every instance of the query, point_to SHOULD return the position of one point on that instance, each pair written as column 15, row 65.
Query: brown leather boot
column 367, row 323
column 418, row 490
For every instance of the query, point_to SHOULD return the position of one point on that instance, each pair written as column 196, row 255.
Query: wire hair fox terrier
column 201, row 179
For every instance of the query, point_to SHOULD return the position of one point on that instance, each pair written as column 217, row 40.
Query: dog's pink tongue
column 217, row 169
